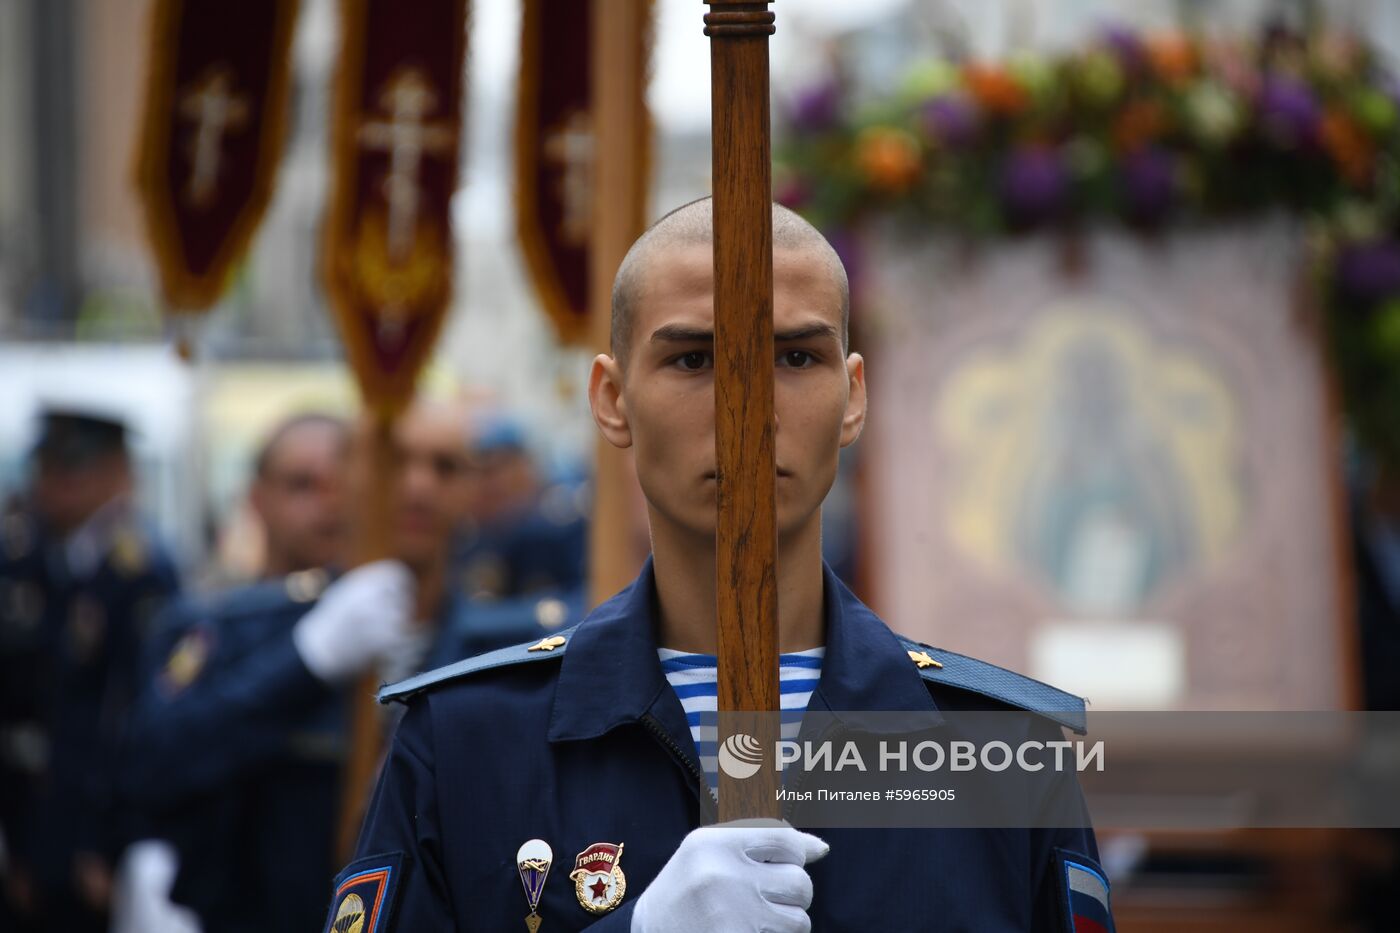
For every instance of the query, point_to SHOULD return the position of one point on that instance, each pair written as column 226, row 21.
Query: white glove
column 746, row 875
column 363, row 617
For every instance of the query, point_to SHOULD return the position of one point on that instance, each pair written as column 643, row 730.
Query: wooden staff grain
column 746, row 546
column 374, row 488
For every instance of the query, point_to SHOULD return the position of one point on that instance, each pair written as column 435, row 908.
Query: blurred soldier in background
column 299, row 499
column 297, row 495
column 522, row 537
column 80, row 581
column 238, row 741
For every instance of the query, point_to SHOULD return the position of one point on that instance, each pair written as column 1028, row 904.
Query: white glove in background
column 141, row 891
column 738, row 877
column 363, row 617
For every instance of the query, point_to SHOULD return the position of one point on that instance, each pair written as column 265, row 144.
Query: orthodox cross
column 406, row 134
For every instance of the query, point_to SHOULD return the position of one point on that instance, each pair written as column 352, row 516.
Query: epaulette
column 541, row 649
column 956, row 670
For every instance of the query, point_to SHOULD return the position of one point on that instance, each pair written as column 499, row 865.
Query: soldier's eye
column 796, row 359
column 694, row 361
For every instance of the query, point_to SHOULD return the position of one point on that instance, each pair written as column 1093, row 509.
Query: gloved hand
column 363, row 617
column 746, row 875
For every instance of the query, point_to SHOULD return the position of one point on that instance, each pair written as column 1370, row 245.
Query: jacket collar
column 611, row 675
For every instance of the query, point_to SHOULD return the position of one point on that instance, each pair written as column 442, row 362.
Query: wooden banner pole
column 619, row 45
column 374, row 487
column 746, row 542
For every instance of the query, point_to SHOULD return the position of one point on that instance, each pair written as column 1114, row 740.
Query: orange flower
column 1173, row 57
column 1348, row 146
column 995, row 90
column 889, row 158
column 1141, row 122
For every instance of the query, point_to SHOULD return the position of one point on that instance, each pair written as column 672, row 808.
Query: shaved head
column 693, row 225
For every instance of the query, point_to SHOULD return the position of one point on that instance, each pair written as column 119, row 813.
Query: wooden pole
column 746, row 546
column 373, row 505
column 618, row 34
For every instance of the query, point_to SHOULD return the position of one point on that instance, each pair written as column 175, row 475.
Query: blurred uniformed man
column 522, row 537
column 238, row 741
column 297, row 495
column 80, row 580
column 584, row 750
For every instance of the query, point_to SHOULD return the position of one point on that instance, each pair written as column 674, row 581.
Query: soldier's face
column 300, row 497
column 431, row 463
column 68, row 495
column 665, row 407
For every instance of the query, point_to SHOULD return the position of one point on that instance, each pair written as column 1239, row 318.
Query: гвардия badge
column 598, row 879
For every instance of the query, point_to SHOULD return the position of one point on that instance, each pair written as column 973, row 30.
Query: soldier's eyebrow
column 680, row 333
column 806, row 332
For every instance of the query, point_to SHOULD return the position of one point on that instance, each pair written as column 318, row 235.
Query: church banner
column 555, row 149
column 388, row 251
column 211, row 140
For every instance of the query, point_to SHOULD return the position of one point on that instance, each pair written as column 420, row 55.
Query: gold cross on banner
column 571, row 145
column 407, row 136
column 215, row 111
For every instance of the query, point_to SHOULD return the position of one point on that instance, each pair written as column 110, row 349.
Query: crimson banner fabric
column 555, row 149
column 212, row 134
column 388, row 251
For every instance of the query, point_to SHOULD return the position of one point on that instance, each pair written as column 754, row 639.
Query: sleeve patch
column 1084, row 894
column 364, row 895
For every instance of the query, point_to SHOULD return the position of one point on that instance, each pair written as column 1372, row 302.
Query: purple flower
column 1127, row 46
column 1149, row 183
column 791, row 191
column 817, row 108
column 951, row 119
column 1368, row 273
column 1289, row 110
column 1033, row 186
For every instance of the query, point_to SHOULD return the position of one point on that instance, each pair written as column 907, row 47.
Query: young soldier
column 582, row 743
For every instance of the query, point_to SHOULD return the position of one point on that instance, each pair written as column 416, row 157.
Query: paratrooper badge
column 598, row 880
column 533, row 861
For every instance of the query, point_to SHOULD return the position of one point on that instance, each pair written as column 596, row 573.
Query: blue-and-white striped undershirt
column 694, row 676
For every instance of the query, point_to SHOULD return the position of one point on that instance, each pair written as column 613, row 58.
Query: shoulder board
column 956, row 670
column 541, row 649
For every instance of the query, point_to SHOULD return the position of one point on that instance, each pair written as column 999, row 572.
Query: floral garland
column 1147, row 131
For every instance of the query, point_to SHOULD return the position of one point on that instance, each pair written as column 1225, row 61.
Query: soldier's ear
column 606, row 399
column 854, row 418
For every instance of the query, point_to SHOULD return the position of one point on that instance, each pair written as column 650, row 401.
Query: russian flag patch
column 364, row 895
column 1084, row 894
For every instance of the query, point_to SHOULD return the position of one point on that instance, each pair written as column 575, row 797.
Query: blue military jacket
column 235, row 749
column 70, row 643
column 586, row 743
